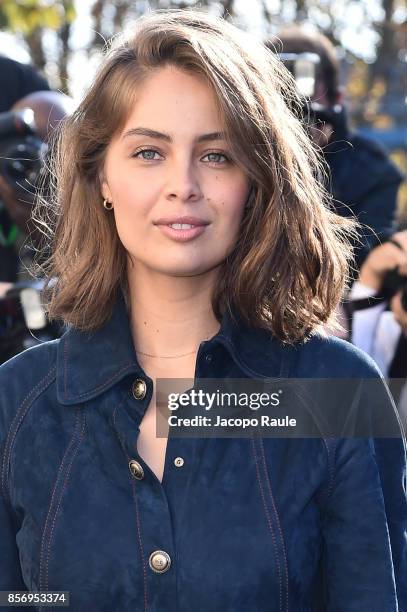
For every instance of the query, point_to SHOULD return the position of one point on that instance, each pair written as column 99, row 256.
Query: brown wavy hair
column 289, row 266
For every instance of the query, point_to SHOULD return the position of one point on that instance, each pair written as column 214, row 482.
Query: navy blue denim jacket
column 244, row 524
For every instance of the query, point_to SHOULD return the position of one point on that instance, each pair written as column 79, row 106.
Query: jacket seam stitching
column 46, row 546
column 140, row 539
column 65, row 485
column 269, row 521
column 15, row 425
column 268, row 482
column 332, row 467
column 326, row 489
column 138, row 522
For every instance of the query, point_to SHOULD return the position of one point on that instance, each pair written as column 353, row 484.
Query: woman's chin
column 188, row 269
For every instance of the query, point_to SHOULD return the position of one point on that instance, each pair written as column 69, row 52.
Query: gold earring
column 107, row 205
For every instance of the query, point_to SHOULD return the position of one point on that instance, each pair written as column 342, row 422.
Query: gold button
column 178, row 461
column 136, row 469
column 139, row 389
column 159, row 561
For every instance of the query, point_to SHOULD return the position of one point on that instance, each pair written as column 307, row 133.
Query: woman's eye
column 216, row 156
column 146, row 154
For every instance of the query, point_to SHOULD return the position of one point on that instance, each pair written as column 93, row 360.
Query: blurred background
column 64, row 40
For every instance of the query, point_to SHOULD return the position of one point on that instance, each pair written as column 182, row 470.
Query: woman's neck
column 170, row 316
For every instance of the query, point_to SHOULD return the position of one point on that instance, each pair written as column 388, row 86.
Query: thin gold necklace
column 165, row 356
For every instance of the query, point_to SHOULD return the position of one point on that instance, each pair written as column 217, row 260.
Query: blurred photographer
column 24, row 135
column 17, row 80
column 364, row 181
column 377, row 309
column 25, row 132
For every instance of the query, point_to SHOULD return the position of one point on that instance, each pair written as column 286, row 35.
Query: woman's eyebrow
column 141, row 131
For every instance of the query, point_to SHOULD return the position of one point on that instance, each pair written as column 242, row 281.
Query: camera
column 23, row 322
column 22, row 152
column 22, row 166
column 393, row 283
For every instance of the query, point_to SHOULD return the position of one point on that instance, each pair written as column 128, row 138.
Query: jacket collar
column 89, row 363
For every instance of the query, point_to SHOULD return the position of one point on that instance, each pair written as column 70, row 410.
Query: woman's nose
column 183, row 181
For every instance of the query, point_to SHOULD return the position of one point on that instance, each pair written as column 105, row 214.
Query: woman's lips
column 182, row 235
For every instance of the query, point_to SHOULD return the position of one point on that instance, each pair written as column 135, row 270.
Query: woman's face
column 170, row 165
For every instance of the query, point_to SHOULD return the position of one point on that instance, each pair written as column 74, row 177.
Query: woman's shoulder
column 32, row 359
column 325, row 355
column 24, row 377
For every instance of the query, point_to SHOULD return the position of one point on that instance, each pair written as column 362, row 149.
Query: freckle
column 145, row 322
column 157, row 330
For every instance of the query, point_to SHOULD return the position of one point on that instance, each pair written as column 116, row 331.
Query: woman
column 191, row 240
